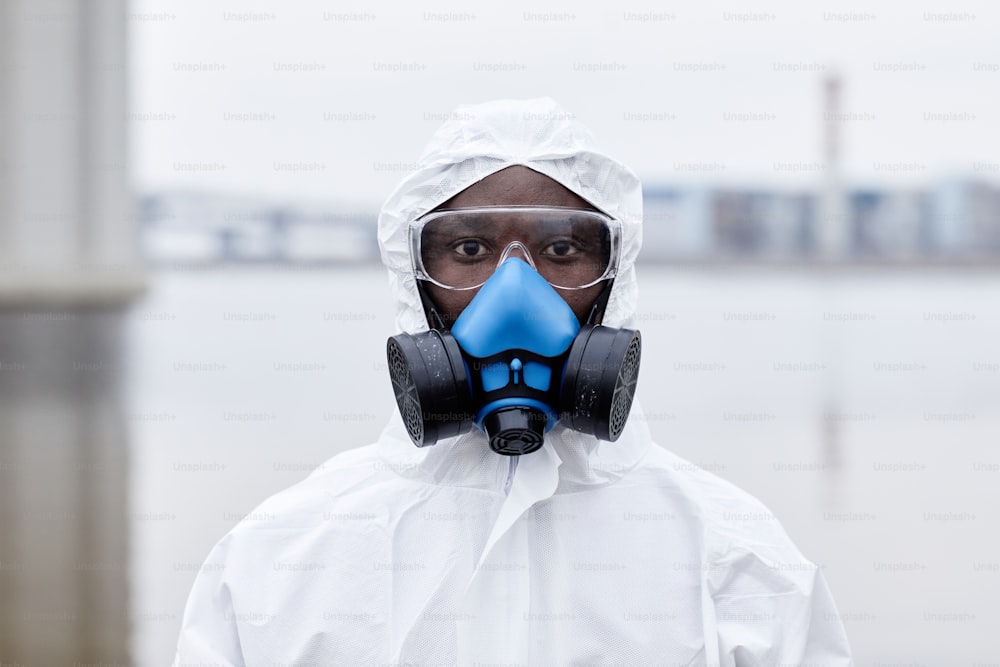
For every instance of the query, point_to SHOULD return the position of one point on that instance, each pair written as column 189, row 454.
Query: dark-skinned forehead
column 516, row 186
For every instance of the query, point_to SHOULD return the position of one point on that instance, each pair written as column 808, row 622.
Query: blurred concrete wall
column 68, row 267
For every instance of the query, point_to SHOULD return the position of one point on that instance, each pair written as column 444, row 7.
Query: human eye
column 470, row 248
column 561, row 248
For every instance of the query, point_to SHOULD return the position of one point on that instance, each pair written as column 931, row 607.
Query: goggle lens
column 570, row 248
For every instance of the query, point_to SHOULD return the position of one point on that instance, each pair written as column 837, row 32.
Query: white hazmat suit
column 582, row 553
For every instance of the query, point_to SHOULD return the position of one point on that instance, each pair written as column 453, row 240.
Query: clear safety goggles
column 460, row 249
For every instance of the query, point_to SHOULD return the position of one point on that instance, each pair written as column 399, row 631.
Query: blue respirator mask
column 516, row 361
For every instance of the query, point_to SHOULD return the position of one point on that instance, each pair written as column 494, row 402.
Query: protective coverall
column 582, row 553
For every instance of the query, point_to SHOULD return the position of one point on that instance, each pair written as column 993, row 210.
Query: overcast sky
column 333, row 101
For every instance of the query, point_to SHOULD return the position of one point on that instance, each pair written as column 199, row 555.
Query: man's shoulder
column 307, row 504
column 734, row 523
column 703, row 485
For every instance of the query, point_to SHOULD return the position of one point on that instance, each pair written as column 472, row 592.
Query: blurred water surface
column 863, row 406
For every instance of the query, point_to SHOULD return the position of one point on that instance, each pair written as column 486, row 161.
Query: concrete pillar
column 68, row 268
column 834, row 240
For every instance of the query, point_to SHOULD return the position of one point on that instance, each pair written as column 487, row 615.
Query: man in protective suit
column 510, row 535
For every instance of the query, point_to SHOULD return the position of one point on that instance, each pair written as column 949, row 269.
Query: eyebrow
column 461, row 226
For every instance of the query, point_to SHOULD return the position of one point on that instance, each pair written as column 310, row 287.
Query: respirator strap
column 434, row 320
column 596, row 314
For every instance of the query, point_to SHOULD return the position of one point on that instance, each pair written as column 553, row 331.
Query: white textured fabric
column 597, row 553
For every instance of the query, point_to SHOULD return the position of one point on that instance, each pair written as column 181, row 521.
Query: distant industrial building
column 954, row 219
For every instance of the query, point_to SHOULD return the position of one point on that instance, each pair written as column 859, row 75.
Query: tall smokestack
column 833, row 221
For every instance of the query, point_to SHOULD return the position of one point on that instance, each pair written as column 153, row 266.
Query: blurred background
column 193, row 316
